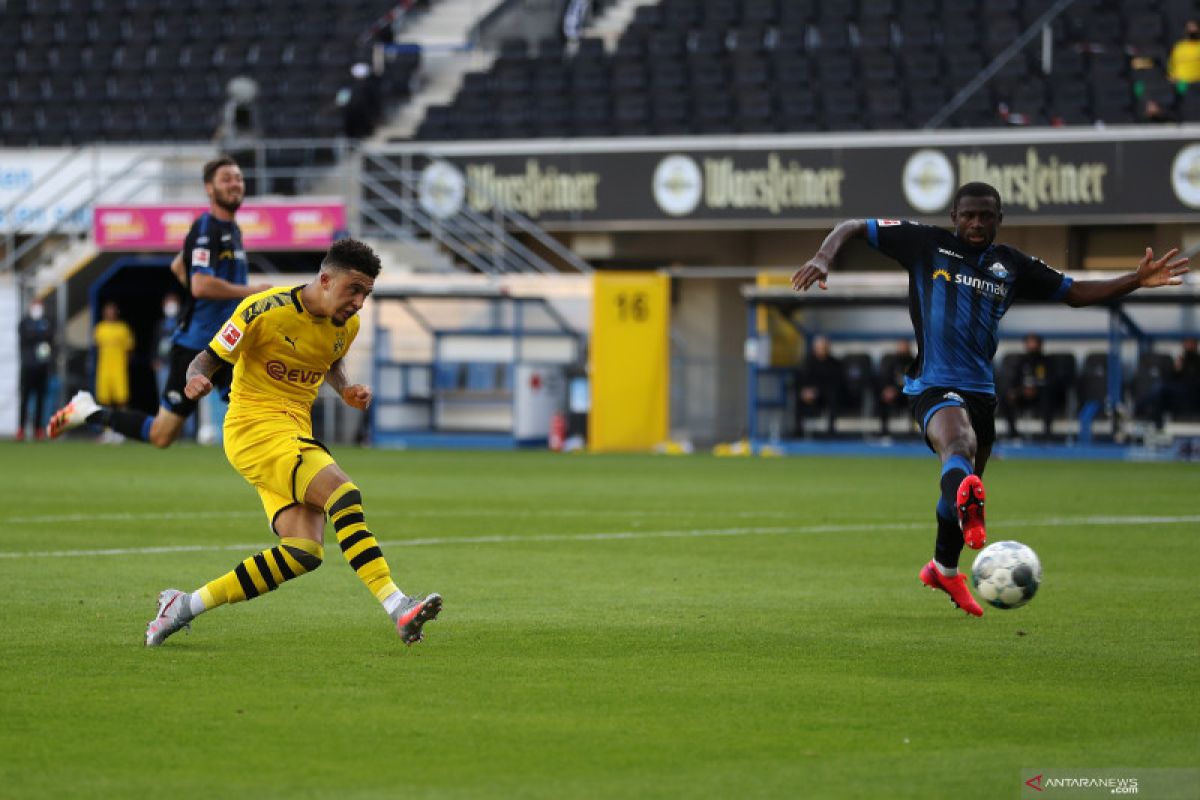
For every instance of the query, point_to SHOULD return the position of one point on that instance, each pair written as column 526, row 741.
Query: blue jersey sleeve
column 198, row 248
column 900, row 240
column 1038, row 281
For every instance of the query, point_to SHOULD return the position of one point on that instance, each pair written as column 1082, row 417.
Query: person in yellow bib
column 114, row 341
column 284, row 343
column 1183, row 66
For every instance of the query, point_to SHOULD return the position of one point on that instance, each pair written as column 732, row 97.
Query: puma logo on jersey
column 290, row 341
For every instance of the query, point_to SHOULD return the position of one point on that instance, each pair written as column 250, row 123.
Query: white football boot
column 173, row 614
column 413, row 614
column 73, row 414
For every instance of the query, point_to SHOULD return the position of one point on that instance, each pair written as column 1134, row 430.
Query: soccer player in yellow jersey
column 283, row 343
column 113, row 340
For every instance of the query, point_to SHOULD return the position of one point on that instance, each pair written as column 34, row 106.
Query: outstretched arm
column 817, row 269
column 199, row 375
column 355, row 395
column 1150, row 273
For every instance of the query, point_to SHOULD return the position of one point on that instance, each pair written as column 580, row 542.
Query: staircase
column 447, row 53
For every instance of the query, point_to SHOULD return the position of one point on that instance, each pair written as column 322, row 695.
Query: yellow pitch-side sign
column 630, row 361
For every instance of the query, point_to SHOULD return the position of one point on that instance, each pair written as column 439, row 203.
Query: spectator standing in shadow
column 361, row 103
column 36, row 337
column 1183, row 67
column 1183, row 387
column 820, row 383
column 1031, row 386
column 1028, row 386
column 889, row 394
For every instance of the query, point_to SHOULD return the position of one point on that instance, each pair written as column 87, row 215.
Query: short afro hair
column 977, row 189
column 353, row 255
column 210, row 169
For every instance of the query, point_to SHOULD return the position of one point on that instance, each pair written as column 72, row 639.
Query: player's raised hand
column 357, row 396
column 1153, row 272
column 815, row 271
column 197, row 386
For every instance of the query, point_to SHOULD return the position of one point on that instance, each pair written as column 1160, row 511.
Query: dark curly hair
column 210, row 169
column 352, row 254
column 977, row 189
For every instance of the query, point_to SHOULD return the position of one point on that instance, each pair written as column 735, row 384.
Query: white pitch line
column 130, row 516
column 1053, row 522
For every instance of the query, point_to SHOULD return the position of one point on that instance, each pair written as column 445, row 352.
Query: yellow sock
column 358, row 544
column 263, row 572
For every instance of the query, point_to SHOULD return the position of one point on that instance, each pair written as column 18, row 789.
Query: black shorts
column 173, row 399
column 981, row 409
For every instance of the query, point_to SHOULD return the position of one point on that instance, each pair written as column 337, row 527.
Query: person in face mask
column 36, row 336
column 166, row 332
column 1184, row 65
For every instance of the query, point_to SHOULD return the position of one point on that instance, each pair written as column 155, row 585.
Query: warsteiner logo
column 305, row 377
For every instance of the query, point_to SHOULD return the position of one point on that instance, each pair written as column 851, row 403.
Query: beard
column 227, row 202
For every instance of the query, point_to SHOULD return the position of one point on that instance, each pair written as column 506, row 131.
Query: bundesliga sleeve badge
column 229, row 336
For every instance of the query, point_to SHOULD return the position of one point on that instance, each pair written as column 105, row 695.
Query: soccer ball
column 1006, row 574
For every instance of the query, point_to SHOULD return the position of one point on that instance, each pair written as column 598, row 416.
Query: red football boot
column 970, row 512
column 956, row 587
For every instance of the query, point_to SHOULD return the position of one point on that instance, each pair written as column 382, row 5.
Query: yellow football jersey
column 113, row 341
column 278, row 349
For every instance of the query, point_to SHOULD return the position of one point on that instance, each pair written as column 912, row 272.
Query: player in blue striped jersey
column 213, row 267
column 960, row 284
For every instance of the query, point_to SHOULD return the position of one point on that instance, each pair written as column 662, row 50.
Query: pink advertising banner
column 266, row 226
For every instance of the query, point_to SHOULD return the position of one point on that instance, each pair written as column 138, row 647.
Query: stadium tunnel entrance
column 138, row 285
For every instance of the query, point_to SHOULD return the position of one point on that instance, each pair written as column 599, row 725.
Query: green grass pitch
column 629, row 627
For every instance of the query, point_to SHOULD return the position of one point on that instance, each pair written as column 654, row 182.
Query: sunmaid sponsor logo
column 678, row 185
column 775, row 187
column 928, row 181
column 1185, row 176
column 537, row 190
column 281, row 372
column 980, row 285
column 941, row 273
column 442, row 190
column 1036, row 182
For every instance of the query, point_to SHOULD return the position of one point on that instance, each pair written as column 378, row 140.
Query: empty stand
column 713, row 66
column 82, row 71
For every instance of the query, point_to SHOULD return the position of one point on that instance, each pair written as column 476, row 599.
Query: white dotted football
column 1006, row 574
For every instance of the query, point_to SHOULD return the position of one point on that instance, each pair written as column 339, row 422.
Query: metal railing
column 391, row 200
column 380, row 189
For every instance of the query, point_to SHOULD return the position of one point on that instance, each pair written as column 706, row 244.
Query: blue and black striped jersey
column 956, row 296
column 212, row 247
